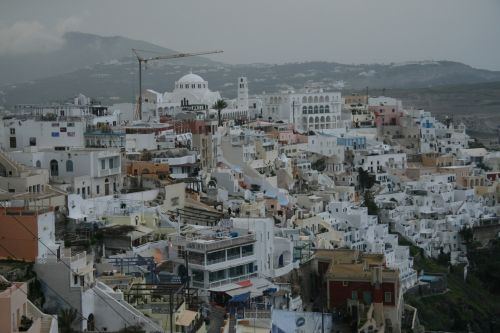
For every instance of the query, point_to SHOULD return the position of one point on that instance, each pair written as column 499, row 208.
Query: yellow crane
column 141, row 60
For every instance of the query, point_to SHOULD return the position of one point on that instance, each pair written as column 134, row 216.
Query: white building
column 308, row 110
column 191, row 90
column 89, row 172
column 18, row 134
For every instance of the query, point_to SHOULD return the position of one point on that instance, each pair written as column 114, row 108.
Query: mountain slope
column 79, row 50
column 104, row 68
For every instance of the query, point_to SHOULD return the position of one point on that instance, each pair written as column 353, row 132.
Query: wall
column 47, row 134
column 17, row 239
column 175, row 196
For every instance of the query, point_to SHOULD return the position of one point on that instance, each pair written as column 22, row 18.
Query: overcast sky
column 272, row 31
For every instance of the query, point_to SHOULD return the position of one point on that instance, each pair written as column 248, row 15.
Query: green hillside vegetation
column 472, row 304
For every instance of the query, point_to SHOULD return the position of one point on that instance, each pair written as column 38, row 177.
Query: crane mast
column 145, row 60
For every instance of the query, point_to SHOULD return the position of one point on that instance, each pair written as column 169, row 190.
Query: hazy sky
column 273, row 31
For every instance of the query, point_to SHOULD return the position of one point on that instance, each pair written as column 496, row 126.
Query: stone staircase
column 46, row 324
column 232, row 324
column 11, row 165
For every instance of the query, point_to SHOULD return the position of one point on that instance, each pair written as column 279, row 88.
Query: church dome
column 191, row 78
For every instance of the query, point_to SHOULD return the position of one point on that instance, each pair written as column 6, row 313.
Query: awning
column 241, row 298
column 185, row 318
column 270, row 290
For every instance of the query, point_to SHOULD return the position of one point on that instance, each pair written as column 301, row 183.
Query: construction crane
column 144, row 60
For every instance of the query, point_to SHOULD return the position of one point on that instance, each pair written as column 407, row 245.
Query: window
column 197, row 275
column 236, row 271
column 12, row 131
column 13, row 142
column 97, row 189
column 111, row 163
column 233, row 253
column 69, row 166
column 32, row 141
column 247, row 250
column 71, row 133
column 354, row 295
column 387, row 297
column 103, row 164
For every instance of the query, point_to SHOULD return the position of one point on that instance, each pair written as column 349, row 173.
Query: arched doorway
column 54, row 168
column 106, row 186
column 91, row 323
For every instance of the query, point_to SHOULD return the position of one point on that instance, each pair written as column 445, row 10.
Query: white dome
column 191, row 78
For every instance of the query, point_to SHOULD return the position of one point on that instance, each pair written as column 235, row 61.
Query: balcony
column 205, row 245
column 108, row 172
column 236, row 279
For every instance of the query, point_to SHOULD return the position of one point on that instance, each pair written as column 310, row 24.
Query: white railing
column 231, row 280
column 283, row 270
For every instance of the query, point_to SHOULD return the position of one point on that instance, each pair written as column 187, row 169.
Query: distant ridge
column 103, row 67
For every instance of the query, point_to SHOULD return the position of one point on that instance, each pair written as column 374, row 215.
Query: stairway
column 46, row 323
column 6, row 160
column 232, row 324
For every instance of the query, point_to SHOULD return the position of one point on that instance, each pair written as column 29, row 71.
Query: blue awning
column 270, row 290
column 241, row 298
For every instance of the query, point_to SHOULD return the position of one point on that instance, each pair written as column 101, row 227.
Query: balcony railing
column 232, row 280
column 215, row 244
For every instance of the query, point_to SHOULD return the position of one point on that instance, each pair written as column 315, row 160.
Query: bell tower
column 242, row 94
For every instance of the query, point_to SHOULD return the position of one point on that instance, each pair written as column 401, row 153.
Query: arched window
column 327, row 119
column 310, row 99
column 315, row 109
column 321, row 99
column 322, row 119
column 321, row 109
column 310, row 109
column 327, row 98
column 304, row 99
column 311, row 119
column 38, row 164
column 69, row 166
column 304, row 110
column 327, row 108
column 316, row 120
column 54, row 168
column 315, row 99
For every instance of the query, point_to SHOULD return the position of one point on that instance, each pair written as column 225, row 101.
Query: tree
column 365, row 179
column 66, row 319
column 220, row 105
column 370, row 203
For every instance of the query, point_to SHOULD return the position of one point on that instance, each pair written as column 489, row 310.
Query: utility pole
column 144, row 60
